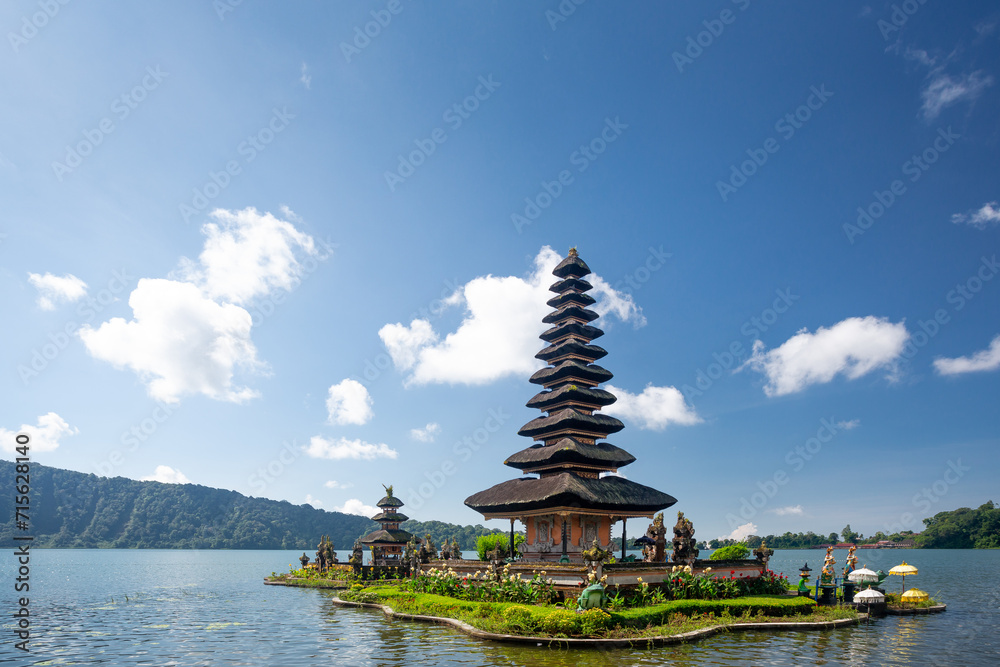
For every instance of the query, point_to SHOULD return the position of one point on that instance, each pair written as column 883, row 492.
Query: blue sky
column 302, row 250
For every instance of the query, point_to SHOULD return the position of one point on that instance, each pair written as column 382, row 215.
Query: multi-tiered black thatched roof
column 568, row 457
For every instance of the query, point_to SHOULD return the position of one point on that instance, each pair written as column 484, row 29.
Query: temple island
column 563, row 585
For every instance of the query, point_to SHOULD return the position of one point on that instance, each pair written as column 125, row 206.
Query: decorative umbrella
column 863, row 576
column 915, row 595
column 903, row 570
column 644, row 540
column 868, row 596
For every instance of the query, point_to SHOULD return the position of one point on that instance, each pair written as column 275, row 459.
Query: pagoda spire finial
column 572, row 251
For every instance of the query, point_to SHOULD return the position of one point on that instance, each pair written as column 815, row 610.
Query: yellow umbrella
column 903, row 570
column 915, row 595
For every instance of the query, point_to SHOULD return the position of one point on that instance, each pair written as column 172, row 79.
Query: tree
column 848, row 534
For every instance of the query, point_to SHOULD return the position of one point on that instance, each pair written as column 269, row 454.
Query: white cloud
column 349, row 403
column 404, row 343
column 654, row 408
column 179, row 342
column 425, row 434
column 943, row 90
column 790, row 510
column 189, row 332
column 312, row 501
column 246, row 255
column 355, row 506
column 740, row 533
column 342, row 448
column 988, row 214
column 306, row 79
column 853, row 347
column 611, row 301
column 848, row 425
column 45, row 435
column 53, row 289
column 499, row 333
column 920, row 55
column 334, row 484
column 167, row 475
column 984, row 360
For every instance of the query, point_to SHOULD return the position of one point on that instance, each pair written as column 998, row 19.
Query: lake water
column 211, row 608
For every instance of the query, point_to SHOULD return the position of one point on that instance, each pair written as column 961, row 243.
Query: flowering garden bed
column 505, row 604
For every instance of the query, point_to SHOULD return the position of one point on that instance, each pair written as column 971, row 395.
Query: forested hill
column 73, row 509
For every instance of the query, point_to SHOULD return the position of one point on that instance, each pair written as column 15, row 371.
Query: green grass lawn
column 669, row 618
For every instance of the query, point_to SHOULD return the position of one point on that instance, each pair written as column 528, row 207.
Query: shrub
column 560, row 622
column 737, row 551
column 487, row 543
column 660, row 614
column 594, row 621
column 359, row 596
column 519, row 618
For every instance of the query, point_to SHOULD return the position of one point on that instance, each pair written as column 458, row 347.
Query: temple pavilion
column 570, row 495
column 387, row 543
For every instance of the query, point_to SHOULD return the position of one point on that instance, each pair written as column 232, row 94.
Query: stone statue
column 595, row 554
column 412, row 553
column 763, row 554
column 423, row 554
column 657, row 552
column 321, row 554
column 432, row 552
column 357, row 554
column 445, row 550
column 685, row 551
column 456, row 551
column 331, row 553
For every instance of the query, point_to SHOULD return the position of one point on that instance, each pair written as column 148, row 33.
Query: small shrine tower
column 569, row 504
column 387, row 543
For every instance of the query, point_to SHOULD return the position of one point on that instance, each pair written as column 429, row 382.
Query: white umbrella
column 869, row 596
column 862, row 576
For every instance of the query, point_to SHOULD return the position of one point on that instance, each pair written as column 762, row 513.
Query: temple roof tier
column 390, row 516
column 571, row 267
column 390, row 501
column 387, row 536
column 571, row 370
column 572, row 395
column 569, row 451
column 572, row 312
column 571, row 348
column 579, row 298
column 570, row 284
column 583, row 332
column 570, row 422
column 610, row 494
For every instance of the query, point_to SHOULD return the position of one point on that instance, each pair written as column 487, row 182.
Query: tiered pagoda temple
column 570, row 503
column 387, row 543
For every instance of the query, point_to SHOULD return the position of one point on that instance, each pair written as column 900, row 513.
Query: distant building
column 388, row 542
